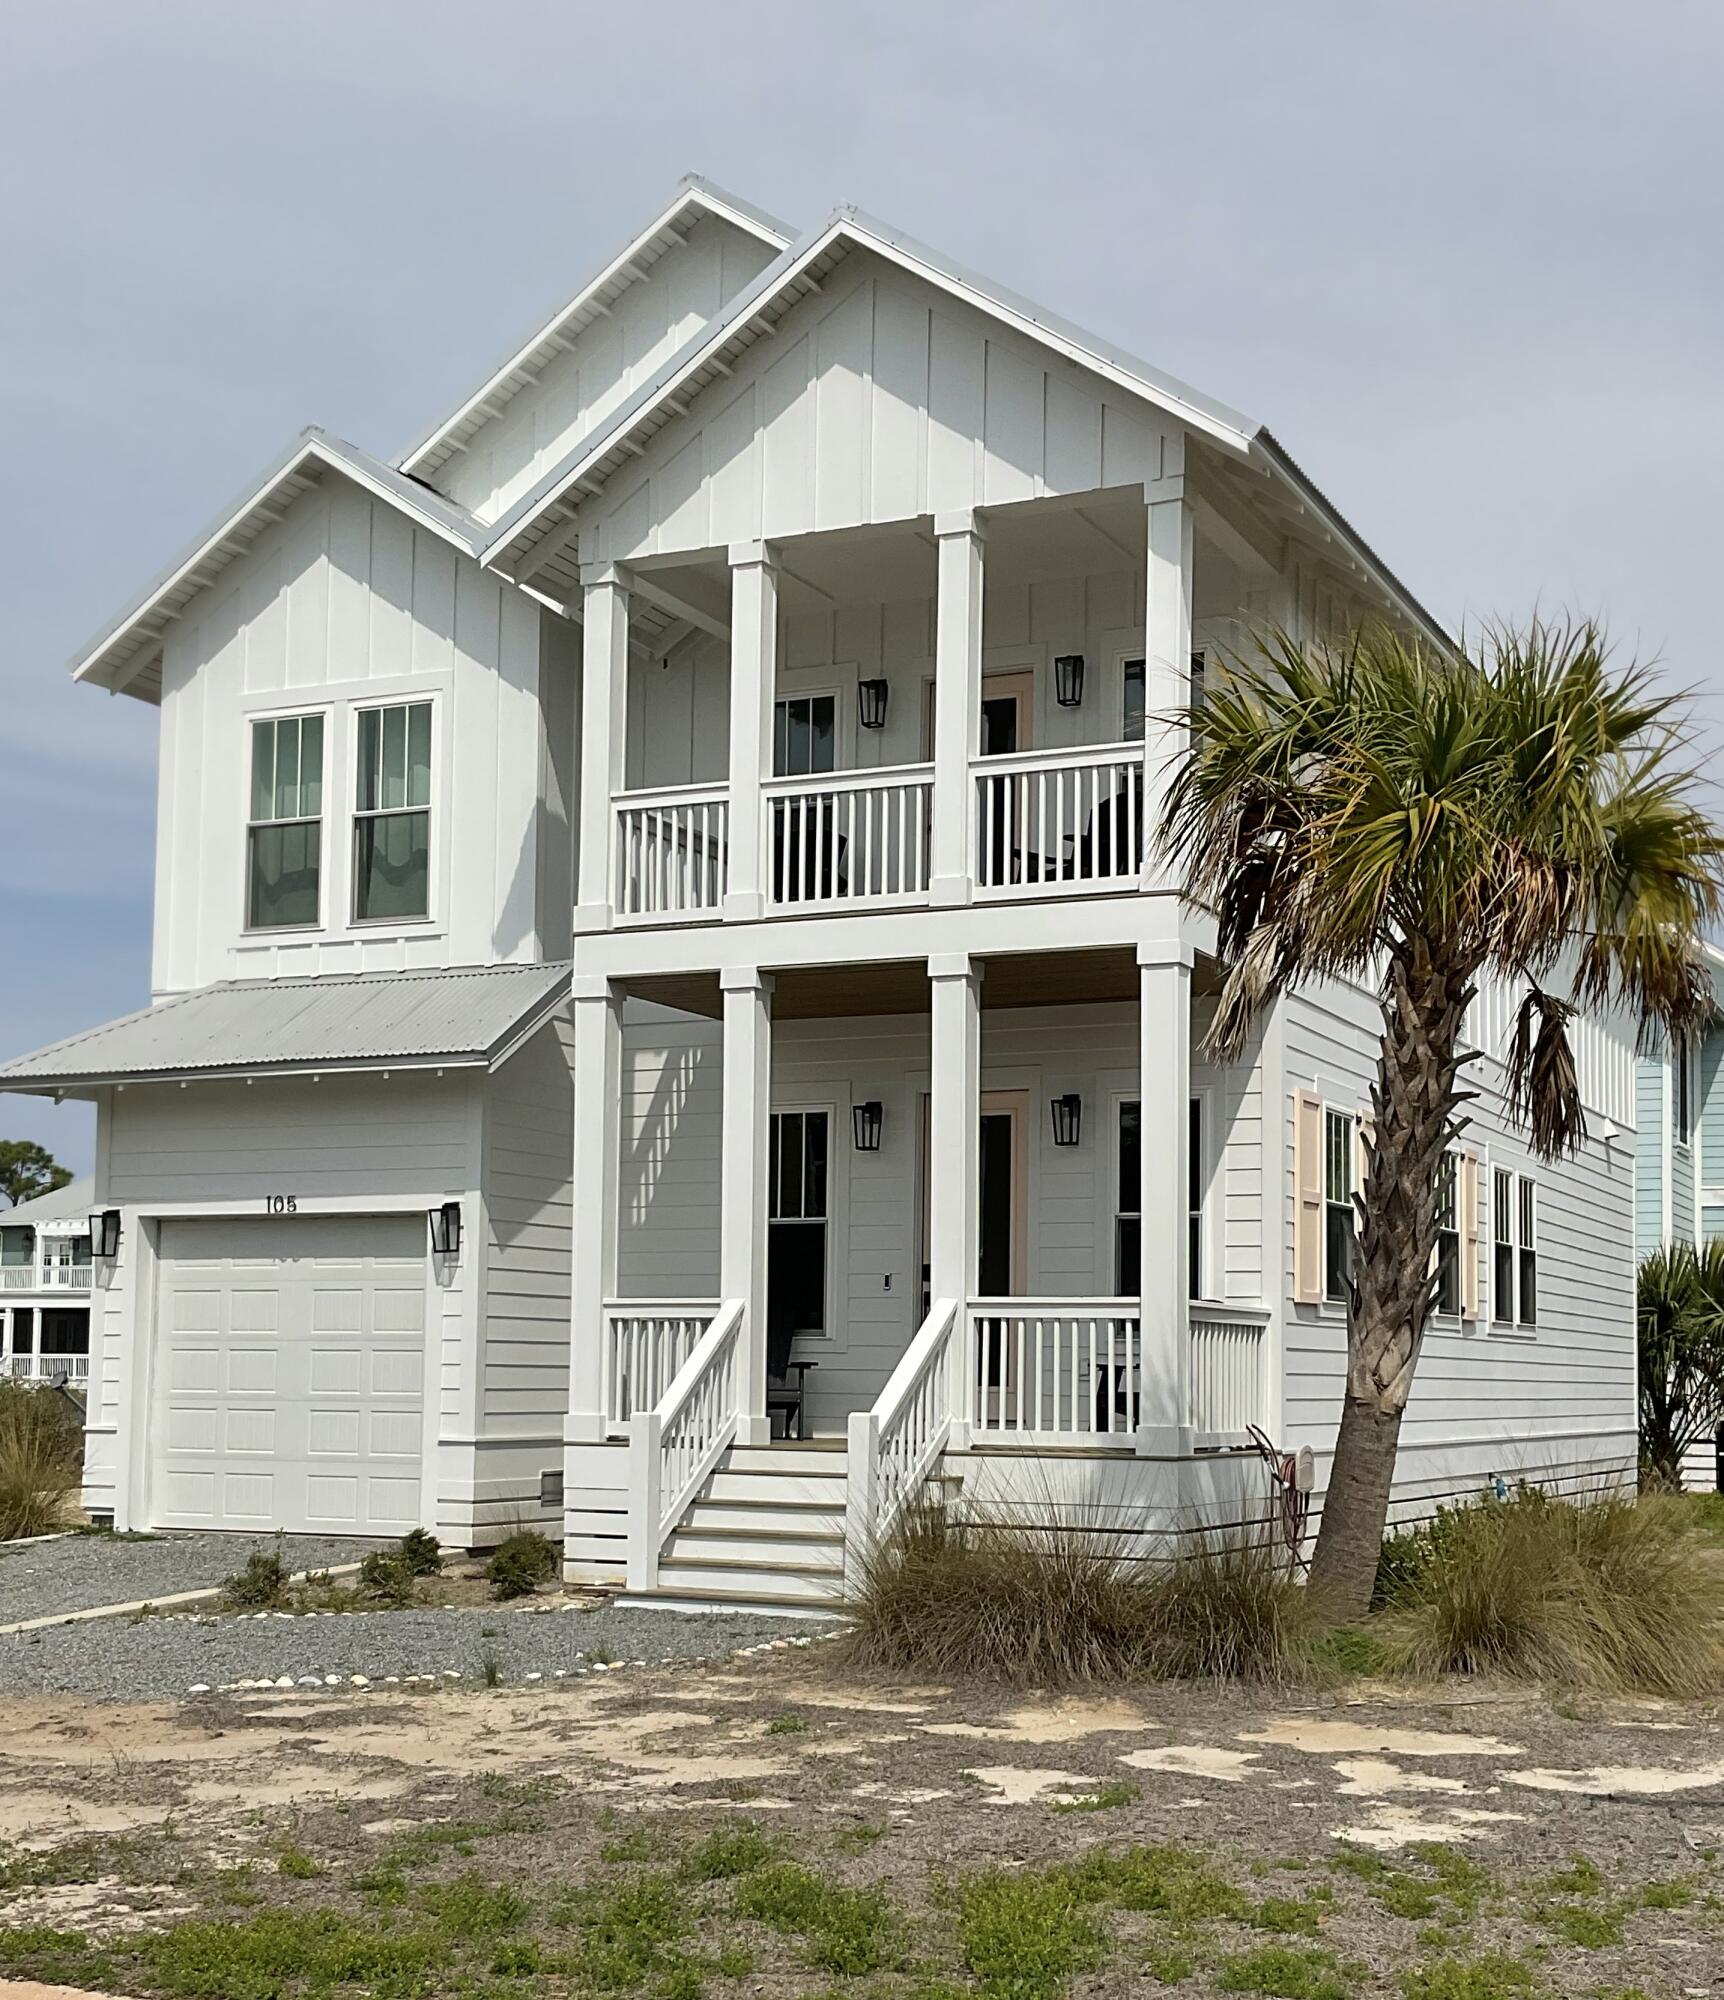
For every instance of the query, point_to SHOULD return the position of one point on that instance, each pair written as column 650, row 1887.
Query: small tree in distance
column 27, row 1170
column 1681, row 1293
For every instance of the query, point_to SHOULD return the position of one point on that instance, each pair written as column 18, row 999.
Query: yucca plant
column 1378, row 810
column 1681, row 1315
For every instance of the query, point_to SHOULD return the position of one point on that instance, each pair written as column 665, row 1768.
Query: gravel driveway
column 79, row 1572
column 126, row 1660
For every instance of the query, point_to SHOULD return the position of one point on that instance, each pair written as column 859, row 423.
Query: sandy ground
column 910, row 1786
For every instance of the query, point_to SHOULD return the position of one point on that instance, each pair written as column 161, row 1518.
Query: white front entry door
column 289, row 1374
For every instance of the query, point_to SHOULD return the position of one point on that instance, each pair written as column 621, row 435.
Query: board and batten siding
column 879, row 399
column 340, row 605
column 670, row 1189
column 601, row 366
column 1556, row 1402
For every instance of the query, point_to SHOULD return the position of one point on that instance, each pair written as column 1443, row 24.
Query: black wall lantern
column 871, row 704
column 1068, row 1118
column 865, row 1122
column 446, row 1229
column 1068, row 679
column 105, row 1232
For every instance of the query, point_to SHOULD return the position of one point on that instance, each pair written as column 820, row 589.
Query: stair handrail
column 894, row 1446
column 674, row 1446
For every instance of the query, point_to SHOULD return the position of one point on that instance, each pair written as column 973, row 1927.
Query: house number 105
column 281, row 1204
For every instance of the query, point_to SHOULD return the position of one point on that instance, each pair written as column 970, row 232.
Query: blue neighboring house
column 1679, row 1165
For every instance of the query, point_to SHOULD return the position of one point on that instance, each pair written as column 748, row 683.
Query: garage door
column 289, row 1374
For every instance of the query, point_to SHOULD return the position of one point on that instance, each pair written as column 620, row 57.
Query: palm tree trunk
column 1414, row 1101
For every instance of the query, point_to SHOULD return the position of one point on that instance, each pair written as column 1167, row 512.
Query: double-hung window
column 1448, row 1237
column 1502, row 1247
column 796, row 1210
column 1133, row 704
column 1682, row 1092
column 804, row 735
column 1338, row 1218
column 392, row 814
column 1128, row 1204
column 1527, row 1243
column 284, row 832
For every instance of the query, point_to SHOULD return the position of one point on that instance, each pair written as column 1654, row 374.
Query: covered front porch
column 999, row 1203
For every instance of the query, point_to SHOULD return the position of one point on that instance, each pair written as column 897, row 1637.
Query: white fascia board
column 693, row 195
column 1197, row 413
column 427, row 509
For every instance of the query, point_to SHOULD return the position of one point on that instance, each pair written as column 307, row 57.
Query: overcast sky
column 1462, row 255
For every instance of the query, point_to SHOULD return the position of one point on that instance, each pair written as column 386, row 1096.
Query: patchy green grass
column 627, row 1932
column 737, row 1849
column 298, row 1866
column 1288, row 1972
column 1491, row 1977
column 1111, row 1793
column 842, row 1930
column 1172, row 1882
column 1025, row 1935
column 787, row 1725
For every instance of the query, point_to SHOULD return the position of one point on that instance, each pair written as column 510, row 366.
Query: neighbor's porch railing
column 44, row 1367
column 646, row 1342
column 849, row 839
column 1056, row 822
column 47, row 1277
column 671, row 850
column 1229, row 1371
column 895, row 1446
column 1054, row 1371
column 675, row 1445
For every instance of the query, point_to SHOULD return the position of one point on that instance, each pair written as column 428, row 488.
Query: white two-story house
column 669, row 1018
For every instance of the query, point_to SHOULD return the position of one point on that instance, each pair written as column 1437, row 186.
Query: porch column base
column 754, row 1430
column 949, row 892
column 744, row 907
column 590, row 917
column 585, row 1427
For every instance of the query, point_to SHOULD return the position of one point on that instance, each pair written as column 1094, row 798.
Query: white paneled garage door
column 289, row 1374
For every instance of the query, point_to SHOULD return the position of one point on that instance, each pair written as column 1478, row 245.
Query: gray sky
column 1462, row 255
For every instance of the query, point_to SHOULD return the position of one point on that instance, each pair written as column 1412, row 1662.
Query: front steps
column 766, row 1533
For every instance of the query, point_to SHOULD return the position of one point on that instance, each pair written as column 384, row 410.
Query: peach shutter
column 1467, row 1227
column 1307, row 1198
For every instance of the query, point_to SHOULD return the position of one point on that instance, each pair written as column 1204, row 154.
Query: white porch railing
column 1228, row 1370
column 1053, row 822
column 671, row 848
column 44, row 1367
column 646, row 1342
column 849, row 839
column 1055, row 1371
column 46, row 1277
column 677, row 1443
column 894, row 1446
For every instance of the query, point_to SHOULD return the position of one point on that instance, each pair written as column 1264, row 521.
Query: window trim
column 253, row 719
column 432, row 809
column 1526, row 1245
column 840, row 743
column 1503, row 1218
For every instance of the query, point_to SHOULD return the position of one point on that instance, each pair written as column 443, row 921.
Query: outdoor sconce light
column 1068, row 1118
column 871, row 704
column 865, row 1122
column 1068, row 679
column 446, row 1229
column 104, row 1232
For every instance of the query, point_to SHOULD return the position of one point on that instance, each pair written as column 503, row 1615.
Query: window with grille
column 804, row 735
column 284, row 831
column 1128, row 1204
column 1527, row 1244
column 1448, row 1237
column 1502, row 1247
column 392, row 816
column 796, row 1208
column 1339, row 1172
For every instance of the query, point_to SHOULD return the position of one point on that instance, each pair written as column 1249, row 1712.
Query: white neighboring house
column 46, row 1279
column 687, row 826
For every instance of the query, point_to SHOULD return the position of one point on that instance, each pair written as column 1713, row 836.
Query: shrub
column 41, row 1453
column 1606, row 1592
column 422, row 1552
column 261, row 1584
column 526, row 1560
column 990, row 1599
column 386, row 1576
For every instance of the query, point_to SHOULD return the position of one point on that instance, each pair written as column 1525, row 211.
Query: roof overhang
column 550, row 508
column 126, row 656
column 524, row 364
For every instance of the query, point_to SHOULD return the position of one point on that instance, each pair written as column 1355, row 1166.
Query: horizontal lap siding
column 1649, row 1151
column 1560, row 1397
column 529, row 1147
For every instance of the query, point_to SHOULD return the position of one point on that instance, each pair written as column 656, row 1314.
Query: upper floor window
column 284, row 835
column 392, row 817
column 804, row 735
column 1682, row 1092
column 17, row 1246
column 1448, row 1237
column 1338, row 1177
column 1133, row 706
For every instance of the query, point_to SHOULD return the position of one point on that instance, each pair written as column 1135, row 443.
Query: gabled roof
column 470, row 1017
column 126, row 655
column 69, row 1203
column 799, row 272
column 526, row 362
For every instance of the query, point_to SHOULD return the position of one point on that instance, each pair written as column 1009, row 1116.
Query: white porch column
column 1166, row 643
column 1164, row 1165
column 596, row 1173
column 747, row 1130
column 957, row 705
column 604, row 724
column 753, row 679
column 954, row 1157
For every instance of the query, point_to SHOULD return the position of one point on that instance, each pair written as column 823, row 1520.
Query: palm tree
column 1681, row 1322
column 1380, row 811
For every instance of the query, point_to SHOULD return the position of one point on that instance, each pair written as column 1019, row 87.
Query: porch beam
column 746, row 1134
column 753, row 678
column 604, row 725
column 954, row 1154
column 957, row 706
column 598, row 1017
column 1164, row 1167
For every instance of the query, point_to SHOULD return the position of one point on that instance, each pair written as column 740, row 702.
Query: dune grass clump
column 41, row 1456
column 1603, row 1592
column 992, row 1599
